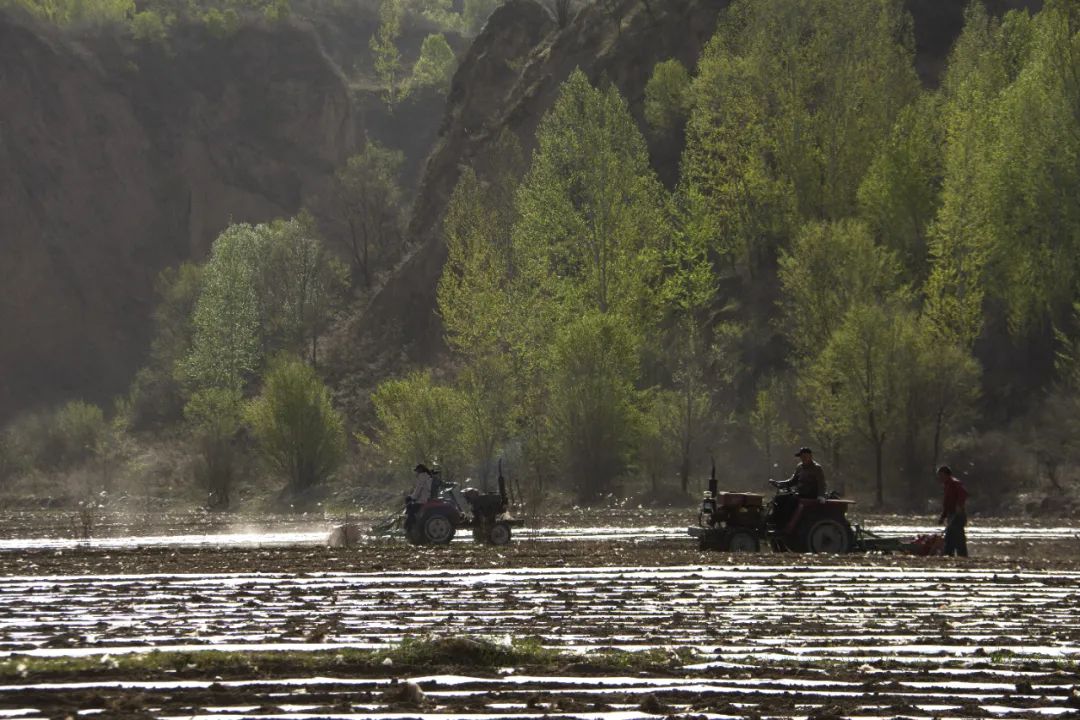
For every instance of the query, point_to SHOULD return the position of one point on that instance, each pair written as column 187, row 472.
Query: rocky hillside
column 120, row 158
column 507, row 81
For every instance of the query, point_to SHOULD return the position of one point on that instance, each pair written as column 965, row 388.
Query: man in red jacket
column 953, row 510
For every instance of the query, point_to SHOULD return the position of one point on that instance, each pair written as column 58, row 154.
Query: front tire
column 499, row 534
column 827, row 536
column 438, row 529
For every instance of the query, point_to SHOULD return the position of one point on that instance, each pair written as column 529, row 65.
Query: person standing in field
column 954, row 512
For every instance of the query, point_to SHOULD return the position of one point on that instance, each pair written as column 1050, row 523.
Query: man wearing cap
column 808, row 482
column 808, row 479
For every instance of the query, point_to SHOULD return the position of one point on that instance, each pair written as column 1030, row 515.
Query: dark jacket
column 808, row 480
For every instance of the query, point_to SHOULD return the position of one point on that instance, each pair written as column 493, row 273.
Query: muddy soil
column 764, row 635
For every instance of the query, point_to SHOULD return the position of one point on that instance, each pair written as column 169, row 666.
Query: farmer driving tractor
column 427, row 486
column 808, row 481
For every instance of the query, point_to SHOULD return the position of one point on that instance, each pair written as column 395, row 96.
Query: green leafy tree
column 763, row 153
column 435, row 66
column 485, row 388
column 591, row 212
column 298, row 430
column 900, row 194
column 667, row 96
column 474, row 302
column 589, row 236
column 368, row 204
column 769, row 423
column 149, row 26
column 831, row 267
column 78, row 429
column 861, row 378
column 76, row 12
column 387, row 59
column 213, row 416
column 943, row 387
column 156, row 396
column 594, row 404
column 304, row 284
column 421, row 421
column 959, row 237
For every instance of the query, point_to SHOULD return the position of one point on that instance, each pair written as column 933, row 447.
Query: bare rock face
column 117, row 160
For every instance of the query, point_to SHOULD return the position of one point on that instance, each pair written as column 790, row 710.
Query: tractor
column 741, row 522
column 451, row 509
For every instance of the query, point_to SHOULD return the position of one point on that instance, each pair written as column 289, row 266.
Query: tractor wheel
column 742, row 541
column 438, row 529
column 827, row 536
column 499, row 534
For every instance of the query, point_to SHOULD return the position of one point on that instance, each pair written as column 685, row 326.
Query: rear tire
column 438, row 529
column 827, row 536
column 499, row 534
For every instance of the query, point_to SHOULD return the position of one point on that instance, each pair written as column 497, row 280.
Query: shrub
column 299, row 432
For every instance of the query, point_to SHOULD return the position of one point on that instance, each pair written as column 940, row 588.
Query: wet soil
column 766, row 635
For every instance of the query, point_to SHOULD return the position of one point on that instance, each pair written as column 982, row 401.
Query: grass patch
column 411, row 655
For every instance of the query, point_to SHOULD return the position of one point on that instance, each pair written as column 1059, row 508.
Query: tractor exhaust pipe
column 712, row 479
column 502, row 485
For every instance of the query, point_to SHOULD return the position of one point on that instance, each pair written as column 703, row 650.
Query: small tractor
column 450, row 509
column 741, row 522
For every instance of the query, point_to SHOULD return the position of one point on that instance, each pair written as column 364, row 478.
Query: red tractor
column 451, row 509
column 741, row 522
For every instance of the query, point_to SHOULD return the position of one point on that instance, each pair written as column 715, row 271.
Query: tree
column 77, row 12
column 959, row 240
column 472, row 292
column 213, row 416
column 387, row 59
column 831, row 267
column 78, row 428
column 156, row 396
column 667, row 96
column 148, row 26
column 591, row 211
column 435, row 66
column 588, row 239
column 440, row 12
column 768, row 424
column 368, row 202
column 486, row 401
column 944, row 386
column 1033, row 169
column 901, row 191
column 304, row 284
column 421, row 421
column 298, row 430
column 763, row 153
column 862, row 377
column 594, row 406
column 230, row 321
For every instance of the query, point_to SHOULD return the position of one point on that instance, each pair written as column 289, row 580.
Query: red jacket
column 955, row 496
